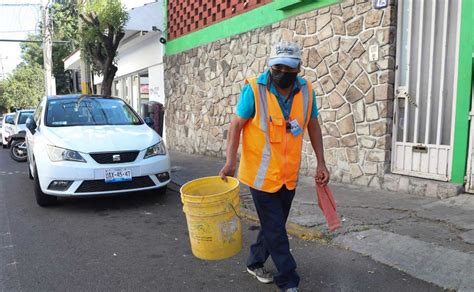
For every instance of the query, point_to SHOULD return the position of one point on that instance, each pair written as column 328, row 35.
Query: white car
column 92, row 145
column 7, row 127
column 19, row 120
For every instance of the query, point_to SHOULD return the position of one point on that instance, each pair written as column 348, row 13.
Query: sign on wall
column 156, row 87
column 380, row 4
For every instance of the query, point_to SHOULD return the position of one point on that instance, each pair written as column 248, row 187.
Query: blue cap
column 292, row 63
column 285, row 53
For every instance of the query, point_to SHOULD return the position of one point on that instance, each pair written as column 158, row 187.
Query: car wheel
column 41, row 198
column 18, row 151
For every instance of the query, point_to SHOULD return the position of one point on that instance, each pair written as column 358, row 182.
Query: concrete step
column 419, row 186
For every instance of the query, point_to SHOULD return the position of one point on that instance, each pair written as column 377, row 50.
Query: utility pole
column 50, row 84
column 85, row 77
column 85, row 68
column 1, row 63
column 50, row 88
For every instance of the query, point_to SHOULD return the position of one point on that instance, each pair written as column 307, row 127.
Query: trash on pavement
column 360, row 236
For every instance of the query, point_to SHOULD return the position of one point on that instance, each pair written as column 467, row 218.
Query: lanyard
column 289, row 104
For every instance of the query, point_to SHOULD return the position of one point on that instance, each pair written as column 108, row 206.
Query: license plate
column 117, row 175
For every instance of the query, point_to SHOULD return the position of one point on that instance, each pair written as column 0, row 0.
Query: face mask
column 283, row 79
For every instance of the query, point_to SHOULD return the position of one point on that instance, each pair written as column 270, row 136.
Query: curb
column 301, row 232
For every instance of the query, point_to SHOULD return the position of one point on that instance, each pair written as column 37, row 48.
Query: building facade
column 393, row 81
column 139, row 78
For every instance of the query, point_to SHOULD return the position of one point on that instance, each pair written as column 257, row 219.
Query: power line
column 31, row 41
column 19, row 4
column 17, row 31
column 11, row 22
column 3, row 68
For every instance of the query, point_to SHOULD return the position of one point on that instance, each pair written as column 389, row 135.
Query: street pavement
column 139, row 242
column 429, row 238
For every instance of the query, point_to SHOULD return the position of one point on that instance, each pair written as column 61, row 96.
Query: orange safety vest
column 270, row 155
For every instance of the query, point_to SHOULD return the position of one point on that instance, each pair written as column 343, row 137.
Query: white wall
column 139, row 54
column 157, row 84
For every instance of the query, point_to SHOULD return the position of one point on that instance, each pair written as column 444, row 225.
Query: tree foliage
column 2, row 93
column 65, row 22
column 101, row 32
column 32, row 53
column 24, row 88
column 64, row 19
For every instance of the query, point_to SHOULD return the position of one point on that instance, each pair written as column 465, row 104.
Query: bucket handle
column 235, row 211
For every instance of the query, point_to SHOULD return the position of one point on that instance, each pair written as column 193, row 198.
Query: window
column 144, row 92
column 89, row 111
column 37, row 115
column 9, row 119
column 23, row 117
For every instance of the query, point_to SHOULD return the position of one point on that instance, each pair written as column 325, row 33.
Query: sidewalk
column 430, row 239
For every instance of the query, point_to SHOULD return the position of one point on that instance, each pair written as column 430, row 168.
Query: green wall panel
column 258, row 17
column 463, row 102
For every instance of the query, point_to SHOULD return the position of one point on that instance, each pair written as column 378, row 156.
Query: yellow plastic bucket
column 212, row 208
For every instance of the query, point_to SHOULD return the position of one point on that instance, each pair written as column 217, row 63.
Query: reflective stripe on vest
column 256, row 177
column 262, row 169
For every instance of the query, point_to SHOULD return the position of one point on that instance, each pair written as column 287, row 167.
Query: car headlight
column 157, row 149
column 59, row 154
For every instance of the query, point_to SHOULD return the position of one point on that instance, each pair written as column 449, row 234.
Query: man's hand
column 227, row 170
column 322, row 174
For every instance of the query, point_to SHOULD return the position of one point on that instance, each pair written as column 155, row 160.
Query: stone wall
column 354, row 96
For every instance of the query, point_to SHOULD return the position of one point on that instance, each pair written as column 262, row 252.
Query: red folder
column 328, row 205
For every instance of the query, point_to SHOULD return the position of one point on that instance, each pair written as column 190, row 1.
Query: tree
column 24, row 88
column 2, row 96
column 101, row 32
column 32, row 53
column 65, row 26
column 65, row 19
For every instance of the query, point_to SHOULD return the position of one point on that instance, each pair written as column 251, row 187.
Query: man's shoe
column 261, row 274
column 294, row 289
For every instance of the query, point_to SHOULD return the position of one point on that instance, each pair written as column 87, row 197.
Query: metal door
column 425, row 87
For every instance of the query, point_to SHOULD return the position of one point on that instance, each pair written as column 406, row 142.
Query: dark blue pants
column 273, row 210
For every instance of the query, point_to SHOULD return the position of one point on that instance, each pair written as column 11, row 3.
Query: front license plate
column 117, row 175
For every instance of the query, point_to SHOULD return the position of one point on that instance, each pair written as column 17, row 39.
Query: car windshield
column 23, row 117
column 89, row 111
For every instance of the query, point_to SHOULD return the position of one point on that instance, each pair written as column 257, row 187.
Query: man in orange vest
column 273, row 112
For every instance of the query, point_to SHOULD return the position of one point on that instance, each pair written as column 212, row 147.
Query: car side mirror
column 149, row 121
column 31, row 125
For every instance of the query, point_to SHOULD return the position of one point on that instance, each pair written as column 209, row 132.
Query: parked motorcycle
column 17, row 146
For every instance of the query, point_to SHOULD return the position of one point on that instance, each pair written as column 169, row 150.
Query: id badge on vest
column 295, row 128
